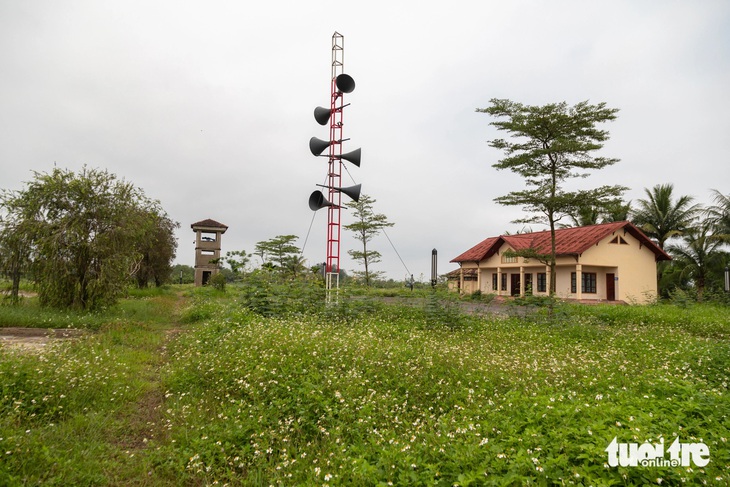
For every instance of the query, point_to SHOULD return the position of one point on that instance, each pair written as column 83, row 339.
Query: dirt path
column 144, row 417
column 34, row 338
column 498, row 307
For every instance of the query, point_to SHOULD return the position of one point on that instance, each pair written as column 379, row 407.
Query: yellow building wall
column 633, row 265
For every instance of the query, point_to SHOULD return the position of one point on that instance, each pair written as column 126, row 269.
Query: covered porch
column 573, row 281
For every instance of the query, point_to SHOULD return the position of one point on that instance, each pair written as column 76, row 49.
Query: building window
column 587, row 282
column 494, row 282
column 504, row 281
column 619, row 240
column 208, row 236
column 541, row 282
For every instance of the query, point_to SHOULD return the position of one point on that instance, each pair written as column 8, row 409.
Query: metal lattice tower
column 334, row 175
column 340, row 84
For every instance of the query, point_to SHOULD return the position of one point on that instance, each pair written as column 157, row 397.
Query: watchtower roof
column 209, row 224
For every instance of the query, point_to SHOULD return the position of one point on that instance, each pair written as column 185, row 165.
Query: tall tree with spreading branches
column 550, row 145
column 366, row 227
column 280, row 253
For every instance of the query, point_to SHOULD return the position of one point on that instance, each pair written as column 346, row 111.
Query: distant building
column 607, row 262
column 207, row 249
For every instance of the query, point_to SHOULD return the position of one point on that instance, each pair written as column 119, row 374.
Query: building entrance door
column 611, row 287
column 515, row 284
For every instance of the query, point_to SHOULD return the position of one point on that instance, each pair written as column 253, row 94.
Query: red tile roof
column 568, row 241
column 455, row 274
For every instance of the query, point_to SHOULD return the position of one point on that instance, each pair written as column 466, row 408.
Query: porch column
column 461, row 280
column 499, row 281
column 479, row 277
column 578, row 281
column 522, row 281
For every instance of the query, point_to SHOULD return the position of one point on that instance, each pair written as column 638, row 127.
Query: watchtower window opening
column 207, row 252
column 208, row 236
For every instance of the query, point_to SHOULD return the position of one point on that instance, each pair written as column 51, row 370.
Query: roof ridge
column 569, row 241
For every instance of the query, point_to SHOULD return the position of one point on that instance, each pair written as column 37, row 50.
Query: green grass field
column 189, row 387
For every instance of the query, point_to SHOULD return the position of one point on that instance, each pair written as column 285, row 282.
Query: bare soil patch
column 34, row 338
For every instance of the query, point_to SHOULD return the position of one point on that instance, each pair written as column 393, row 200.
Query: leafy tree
column 182, row 272
column 367, row 226
column 158, row 249
column 698, row 255
column 278, row 252
column 15, row 250
column 237, row 260
column 551, row 144
column 617, row 211
column 661, row 217
column 84, row 232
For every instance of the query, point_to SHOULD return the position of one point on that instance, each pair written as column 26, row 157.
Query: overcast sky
column 207, row 106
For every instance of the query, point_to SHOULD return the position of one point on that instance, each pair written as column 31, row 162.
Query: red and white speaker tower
column 341, row 83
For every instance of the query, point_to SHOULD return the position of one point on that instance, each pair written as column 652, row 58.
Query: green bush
column 218, row 281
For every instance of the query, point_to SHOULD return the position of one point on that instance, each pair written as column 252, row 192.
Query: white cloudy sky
column 208, row 105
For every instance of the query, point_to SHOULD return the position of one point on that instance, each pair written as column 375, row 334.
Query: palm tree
column 583, row 216
column 719, row 215
column 294, row 265
column 592, row 214
column 661, row 217
column 699, row 254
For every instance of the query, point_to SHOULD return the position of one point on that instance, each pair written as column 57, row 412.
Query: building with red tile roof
column 607, row 262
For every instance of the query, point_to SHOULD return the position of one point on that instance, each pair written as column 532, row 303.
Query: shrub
column 218, row 281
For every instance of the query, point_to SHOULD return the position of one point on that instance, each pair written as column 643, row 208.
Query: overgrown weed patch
column 366, row 393
column 384, row 399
